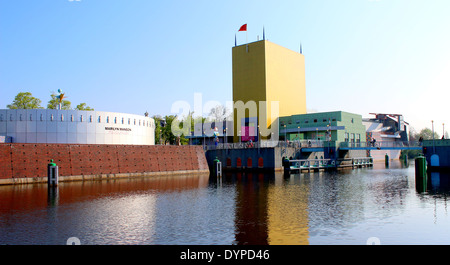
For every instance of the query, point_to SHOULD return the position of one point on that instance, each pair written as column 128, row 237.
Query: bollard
column 52, row 174
column 386, row 160
column 286, row 165
column 217, row 167
column 421, row 174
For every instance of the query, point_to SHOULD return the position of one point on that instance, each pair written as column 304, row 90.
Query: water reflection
column 344, row 207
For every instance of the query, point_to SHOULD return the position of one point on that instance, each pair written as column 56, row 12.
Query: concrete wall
column 271, row 157
column 30, row 160
column 441, row 148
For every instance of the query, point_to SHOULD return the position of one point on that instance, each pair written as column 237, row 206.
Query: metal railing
column 311, row 163
column 271, row 144
column 380, row 144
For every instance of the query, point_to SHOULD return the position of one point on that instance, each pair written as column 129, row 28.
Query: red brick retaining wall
column 30, row 160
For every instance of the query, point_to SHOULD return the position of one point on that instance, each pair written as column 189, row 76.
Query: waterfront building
column 266, row 72
column 386, row 128
column 210, row 133
column 338, row 126
column 75, row 127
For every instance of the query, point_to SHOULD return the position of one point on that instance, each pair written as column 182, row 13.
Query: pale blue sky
column 362, row 56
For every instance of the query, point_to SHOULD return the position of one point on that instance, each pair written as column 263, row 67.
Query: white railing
column 380, row 144
column 271, row 144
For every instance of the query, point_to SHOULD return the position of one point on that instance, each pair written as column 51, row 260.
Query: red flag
column 243, row 28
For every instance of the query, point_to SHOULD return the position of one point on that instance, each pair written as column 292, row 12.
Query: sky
column 133, row 56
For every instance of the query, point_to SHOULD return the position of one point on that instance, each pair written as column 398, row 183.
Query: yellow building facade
column 266, row 72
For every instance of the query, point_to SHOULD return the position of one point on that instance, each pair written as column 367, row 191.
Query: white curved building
column 75, row 127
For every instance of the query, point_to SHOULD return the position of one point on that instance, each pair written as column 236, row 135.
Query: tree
column 54, row 103
column 427, row 134
column 219, row 113
column 82, row 106
column 25, row 100
column 163, row 131
column 158, row 129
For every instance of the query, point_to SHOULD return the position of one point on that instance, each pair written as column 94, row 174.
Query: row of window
column 307, row 121
column 354, row 136
column 99, row 119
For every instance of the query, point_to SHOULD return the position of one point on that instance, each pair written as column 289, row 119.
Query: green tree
column 82, row 106
column 25, row 100
column 427, row 134
column 158, row 129
column 53, row 103
column 164, row 134
column 169, row 137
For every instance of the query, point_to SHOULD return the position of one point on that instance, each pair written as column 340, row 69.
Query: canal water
column 367, row 205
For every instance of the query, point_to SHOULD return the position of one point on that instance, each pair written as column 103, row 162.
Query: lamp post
column 204, row 139
column 432, row 129
column 443, row 131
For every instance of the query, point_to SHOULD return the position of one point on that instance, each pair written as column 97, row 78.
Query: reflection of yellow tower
column 287, row 212
column 264, row 71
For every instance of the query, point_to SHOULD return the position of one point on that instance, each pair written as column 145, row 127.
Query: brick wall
column 30, row 160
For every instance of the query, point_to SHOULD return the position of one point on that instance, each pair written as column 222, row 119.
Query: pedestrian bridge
column 319, row 145
column 397, row 145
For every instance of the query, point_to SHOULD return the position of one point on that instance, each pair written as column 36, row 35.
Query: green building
column 337, row 126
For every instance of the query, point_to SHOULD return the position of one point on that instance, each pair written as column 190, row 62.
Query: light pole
column 432, row 131
column 204, row 139
column 443, row 131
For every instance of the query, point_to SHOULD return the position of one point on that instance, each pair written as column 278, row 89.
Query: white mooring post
column 219, row 169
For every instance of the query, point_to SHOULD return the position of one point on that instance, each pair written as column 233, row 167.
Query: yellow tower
column 265, row 71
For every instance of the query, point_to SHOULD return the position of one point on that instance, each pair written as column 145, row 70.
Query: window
column 324, row 120
column 107, row 119
column 115, row 120
column 71, row 117
column 99, row 119
column 129, row 120
column 123, row 120
column 20, row 117
column 31, row 117
column 1, row 117
column 51, row 117
column 42, row 117
column 306, row 121
column 90, row 118
column 315, row 120
column 81, row 118
column 62, row 117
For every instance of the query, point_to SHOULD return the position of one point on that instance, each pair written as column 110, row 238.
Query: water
column 345, row 207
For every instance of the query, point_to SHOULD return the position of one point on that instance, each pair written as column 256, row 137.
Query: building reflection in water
column 271, row 209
